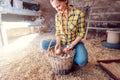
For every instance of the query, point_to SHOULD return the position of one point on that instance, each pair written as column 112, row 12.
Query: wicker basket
column 61, row 65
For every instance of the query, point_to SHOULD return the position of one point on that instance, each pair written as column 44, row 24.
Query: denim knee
column 44, row 44
column 80, row 62
column 81, row 56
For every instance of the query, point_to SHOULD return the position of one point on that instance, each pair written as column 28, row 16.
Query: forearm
column 58, row 40
column 77, row 40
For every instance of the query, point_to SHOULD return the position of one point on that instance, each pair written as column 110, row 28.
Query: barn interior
column 25, row 23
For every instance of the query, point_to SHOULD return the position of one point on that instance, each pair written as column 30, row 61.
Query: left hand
column 68, row 48
column 71, row 47
column 75, row 42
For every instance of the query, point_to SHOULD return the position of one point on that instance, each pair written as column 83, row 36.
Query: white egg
column 58, row 51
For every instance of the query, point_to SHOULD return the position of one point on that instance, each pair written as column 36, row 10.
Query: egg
column 65, row 50
column 58, row 51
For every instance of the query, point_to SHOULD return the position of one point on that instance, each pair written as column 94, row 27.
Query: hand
column 57, row 46
column 71, row 47
column 65, row 50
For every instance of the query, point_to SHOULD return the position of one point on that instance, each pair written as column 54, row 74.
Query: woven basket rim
column 58, row 57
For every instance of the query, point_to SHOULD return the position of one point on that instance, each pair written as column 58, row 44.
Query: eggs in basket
column 61, row 53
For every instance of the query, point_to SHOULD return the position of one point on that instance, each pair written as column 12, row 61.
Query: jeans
column 81, row 55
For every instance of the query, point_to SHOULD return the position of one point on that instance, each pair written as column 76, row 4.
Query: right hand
column 57, row 46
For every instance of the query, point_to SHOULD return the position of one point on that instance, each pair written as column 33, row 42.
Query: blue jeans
column 81, row 56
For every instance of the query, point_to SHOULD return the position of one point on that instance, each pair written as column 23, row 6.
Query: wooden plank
column 113, row 69
column 93, row 7
column 103, row 13
column 108, row 61
column 8, row 10
column 103, row 21
column 32, row 2
column 103, row 28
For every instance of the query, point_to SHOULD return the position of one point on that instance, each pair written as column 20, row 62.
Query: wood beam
column 8, row 10
column 3, row 33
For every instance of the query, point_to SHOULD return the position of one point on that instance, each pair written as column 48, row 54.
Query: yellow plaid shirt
column 74, row 25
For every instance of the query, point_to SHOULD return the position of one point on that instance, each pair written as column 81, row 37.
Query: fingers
column 65, row 50
column 57, row 46
column 57, row 49
column 70, row 48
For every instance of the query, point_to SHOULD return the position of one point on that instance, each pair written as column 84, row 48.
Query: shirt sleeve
column 81, row 25
column 57, row 24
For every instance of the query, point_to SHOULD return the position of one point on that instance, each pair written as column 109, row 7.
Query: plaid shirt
column 74, row 25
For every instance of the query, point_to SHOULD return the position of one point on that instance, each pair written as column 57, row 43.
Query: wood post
column 3, row 32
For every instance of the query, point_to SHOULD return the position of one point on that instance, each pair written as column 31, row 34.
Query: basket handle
column 49, row 44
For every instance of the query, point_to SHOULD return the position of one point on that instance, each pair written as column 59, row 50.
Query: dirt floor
column 30, row 63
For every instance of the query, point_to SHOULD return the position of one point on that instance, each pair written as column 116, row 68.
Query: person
column 70, row 30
